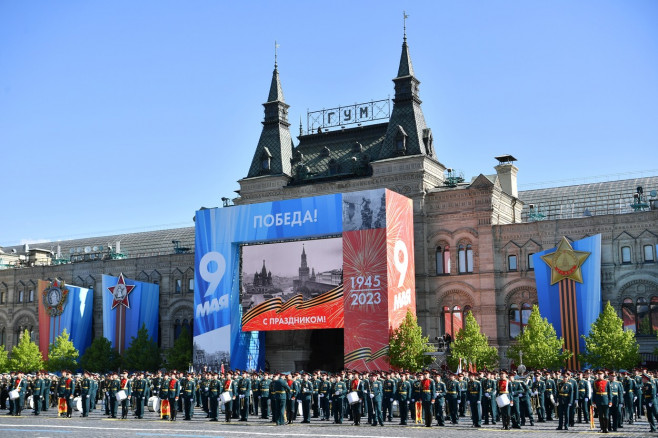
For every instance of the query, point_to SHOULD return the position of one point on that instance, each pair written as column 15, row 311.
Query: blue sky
column 125, row 116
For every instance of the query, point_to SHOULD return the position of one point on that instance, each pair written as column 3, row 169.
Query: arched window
column 648, row 254
column 643, row 317
column 469, row 258
column 3, row 297
column 625, row 254
column 654, row 314
column 461, row 252
column 31, row 296
column 20, row 296
column 446, row 259
column 2, row 336
column 514, row 318
column 628, row 315
column 439, row 261
column 177, row 329
column 453, row 319
column 178, row 286
column 526, row 310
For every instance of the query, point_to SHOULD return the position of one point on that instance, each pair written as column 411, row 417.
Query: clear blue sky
column 124, row 115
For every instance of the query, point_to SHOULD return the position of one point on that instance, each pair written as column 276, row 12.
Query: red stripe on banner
column 44, row 321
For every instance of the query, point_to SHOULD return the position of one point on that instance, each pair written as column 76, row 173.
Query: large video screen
column 294, row 285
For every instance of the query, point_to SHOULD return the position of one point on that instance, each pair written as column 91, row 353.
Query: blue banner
column 587, row 293
column 143, row 301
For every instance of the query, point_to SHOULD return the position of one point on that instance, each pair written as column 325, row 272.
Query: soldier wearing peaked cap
column 649, row 400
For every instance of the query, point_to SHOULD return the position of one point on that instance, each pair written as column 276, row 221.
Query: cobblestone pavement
column 99, row 426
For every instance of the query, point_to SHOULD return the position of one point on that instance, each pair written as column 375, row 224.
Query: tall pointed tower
column 407, row 132
column 303, row 269
column 274, row 150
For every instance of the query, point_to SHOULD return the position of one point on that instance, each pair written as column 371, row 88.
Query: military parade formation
column 428, row 398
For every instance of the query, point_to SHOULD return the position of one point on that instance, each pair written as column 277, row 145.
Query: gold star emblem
column 565, row 262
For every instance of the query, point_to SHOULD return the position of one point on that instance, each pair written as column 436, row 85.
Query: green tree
column 472, row 346
column 407, row 346
column 100, row 357
column 540, row 345
column 25, row 356
column 143, row 353
column 62, row 354
column 180, row 355
column 608, row 344
column 4, row 359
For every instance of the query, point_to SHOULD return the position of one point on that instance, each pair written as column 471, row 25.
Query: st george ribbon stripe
column 569, row 315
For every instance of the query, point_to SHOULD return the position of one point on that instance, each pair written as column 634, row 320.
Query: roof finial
column 276, row 46
column 300, row 126
column 404, row 24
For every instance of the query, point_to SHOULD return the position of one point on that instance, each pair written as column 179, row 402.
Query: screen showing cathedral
column 292, row 285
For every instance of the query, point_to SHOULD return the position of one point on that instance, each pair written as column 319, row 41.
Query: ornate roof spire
column 276, row 92
column 405, row 69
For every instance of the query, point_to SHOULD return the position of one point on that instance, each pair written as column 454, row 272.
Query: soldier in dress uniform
column 214, row 390
column 617, row 402
column 602, row 396
column 38, row 388
column 173, row 395
column 550, row 395
column 474, row 389
column 630, row 393
column 388, row 397
column 138, row 388
column 324, row 394
column 280, row 392
column 453, row 397
column 439, row 400
column 338, row 393
column 19, row 384
column 188, row 393
column 315, row 403
column 565, row 400
column 229, row 387
column 649, row 400
column 638, row 402
column 264, row 395
column 164, row 394
column 538, row 389
column 504, row 387
column 305, row 394
column 85, row 392
column 376, row 396
column 515, row 400
column 403, row 394
column 244, row 394
column 525, row 401
column 124, row 386
column 584, row 396
column 489, row 406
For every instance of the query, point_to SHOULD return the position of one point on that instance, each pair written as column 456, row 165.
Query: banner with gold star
column 568, row 279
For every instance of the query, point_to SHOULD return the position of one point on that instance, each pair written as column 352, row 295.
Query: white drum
column 154, row 404
column 13, row 394
column 353, row 397
column 502, row 400
column 121, row 395
column 30, row 402
column 225, row 397
column 299, row 406
column 77, row 403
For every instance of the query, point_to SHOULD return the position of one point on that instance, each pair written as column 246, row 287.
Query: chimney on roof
column 507, row 172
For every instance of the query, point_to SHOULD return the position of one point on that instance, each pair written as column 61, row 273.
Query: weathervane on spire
column 276, row 46
column 404, row 23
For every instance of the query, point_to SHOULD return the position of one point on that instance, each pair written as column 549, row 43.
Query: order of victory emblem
column 54, row 297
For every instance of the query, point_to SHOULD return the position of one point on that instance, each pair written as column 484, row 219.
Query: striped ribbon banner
column 569, row 316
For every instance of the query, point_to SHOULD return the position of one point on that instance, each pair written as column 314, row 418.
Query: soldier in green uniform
column 338, row 393
column 474, row 389
column 630, row 391
column 584, row 396
column 649, row 400
column 280, row 392
column 315, row 404
column 549, row 395
column 228, row 385
column 85, row 392
column 489, row 406
column 65, row 390
column 403, row 395
column 453, row 397
column 324, row 394
column 638, row 402
column 188, row 393
column 602, row 396
column 45, row 393
column 214, row 386
column 19, row 384
column 173, row 395
column 164, row 393
column 244, row 394
column 389, row 397
column 38, row 388
column 427, row 390
column 305, row 394
column 565, row 400
column 616, row 400
column 264, row 395
column 139, row 391
column 525, row 401
column 439, row 400
column 376, row 396
column 204, row 392
column 515, row 404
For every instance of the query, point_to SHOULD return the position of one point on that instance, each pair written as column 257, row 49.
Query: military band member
column 85, row 392
column 164, row 397
column 630, row 393
column 584, row 396
column 315, row 404
column 280, row 392
column 305, row 394
column 474, row 389
column 174, row 395
column 188, row 393
column 525, row 399
column 124, row 385
column 617, row 402
column 489, row 406
column 324, row 394
column 388, row 397
column 139, row 391
column 565, row 400
column 376, row 396
column 403, row 394
column 550, row 395
column 244, row 395
column 38, row 388
column 229, row 387
column 649, row 400
column 264, row 395
column 503, row 388
column 19, row 384
column 453, row 397
column 439, row 400
column 214, row 390
column 515, row 400
column 602, row 398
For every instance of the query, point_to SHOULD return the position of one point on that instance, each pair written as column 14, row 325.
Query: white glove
column 391, row 398
column 337, row 392
column 486, row 394
column 321, row 395
column 586, row 399
column 535, row 393
column 569, row 405
column 635, row 399
column 479, row 402
column 621, row 405
column 372, row 395
column 436, row 394
column 459, row 401
column 241, row 395
column 650, row 404
column 412, row 400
